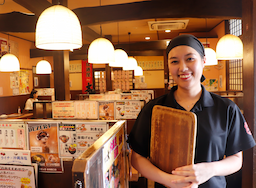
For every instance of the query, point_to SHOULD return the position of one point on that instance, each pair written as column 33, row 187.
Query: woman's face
column 186, row 66
column 35, row 95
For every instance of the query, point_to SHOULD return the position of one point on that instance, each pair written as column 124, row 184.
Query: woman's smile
column 185, row 76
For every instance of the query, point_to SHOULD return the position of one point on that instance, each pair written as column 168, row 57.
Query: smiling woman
column 214, row 158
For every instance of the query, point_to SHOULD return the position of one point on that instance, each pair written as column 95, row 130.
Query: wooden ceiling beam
column 160, row 9
column 17, row 22
column 131, row 11
column 35, row 6
column 131, row 49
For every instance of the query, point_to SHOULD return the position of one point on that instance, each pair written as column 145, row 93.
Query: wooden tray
column 173, row 135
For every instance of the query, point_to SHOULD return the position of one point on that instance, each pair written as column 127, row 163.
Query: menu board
column 86, row 109
column 128, row 109
column 63, row 109
column 14, row 156
column 106, row 110
column 96, row 97
column 43, row 144
column 113, row 161
column 126, row 96
column 13, row 176
column 112, row 96
column 75, row 138
column 13, row 135
column 151, row 92
column 144, row 96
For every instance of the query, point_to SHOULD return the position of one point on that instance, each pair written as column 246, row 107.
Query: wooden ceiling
column 119, row 17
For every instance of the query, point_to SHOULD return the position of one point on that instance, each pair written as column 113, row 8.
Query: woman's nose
column 183, row 67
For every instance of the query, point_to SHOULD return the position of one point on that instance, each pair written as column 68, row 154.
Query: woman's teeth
column 184, row 76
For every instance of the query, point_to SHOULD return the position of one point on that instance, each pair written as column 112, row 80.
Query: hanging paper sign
column 87, row 77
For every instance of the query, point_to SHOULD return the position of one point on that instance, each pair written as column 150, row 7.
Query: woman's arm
column 148, row 170
column 201, row 172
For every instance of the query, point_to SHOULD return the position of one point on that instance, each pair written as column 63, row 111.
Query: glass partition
column 105, row 163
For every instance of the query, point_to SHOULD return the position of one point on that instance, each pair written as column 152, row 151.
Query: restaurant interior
column 141, row 30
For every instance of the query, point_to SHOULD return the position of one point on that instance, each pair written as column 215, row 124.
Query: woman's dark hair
column 41, row 135
column 32, row 93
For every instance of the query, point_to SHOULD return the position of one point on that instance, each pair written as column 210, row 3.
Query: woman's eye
column 190, row 59
column 174, row 62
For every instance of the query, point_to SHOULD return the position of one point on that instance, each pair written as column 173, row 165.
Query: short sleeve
column 29, row 105
column 240, row 137
column 139, row 137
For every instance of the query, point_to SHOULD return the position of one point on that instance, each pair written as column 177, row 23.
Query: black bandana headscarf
column 187, row 40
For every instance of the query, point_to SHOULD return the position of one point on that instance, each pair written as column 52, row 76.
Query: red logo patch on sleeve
column 247, row 128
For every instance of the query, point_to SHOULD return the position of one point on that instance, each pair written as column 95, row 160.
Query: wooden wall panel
column 249, row 89
column 10, row 104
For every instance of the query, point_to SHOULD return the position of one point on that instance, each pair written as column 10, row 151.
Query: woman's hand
column 202, row 172
column 148, row 170
column 175, row 181
column 195, row 174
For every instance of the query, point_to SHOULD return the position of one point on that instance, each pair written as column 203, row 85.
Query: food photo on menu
column 74, row 138
column 106, row 110
column 43, row 143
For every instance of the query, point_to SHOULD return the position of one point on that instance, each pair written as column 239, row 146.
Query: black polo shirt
column 221, row 130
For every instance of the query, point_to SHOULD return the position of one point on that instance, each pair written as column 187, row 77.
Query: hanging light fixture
column 121, row 58
column 131, row 64
column 210, row 57
column 101, row 51
column 138, row 71
column 43, row 67
column 229, row 47
column 210, row 54
column 9, row 62
column 58, row 28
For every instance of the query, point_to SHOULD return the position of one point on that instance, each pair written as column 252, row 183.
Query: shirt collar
column 205, row 100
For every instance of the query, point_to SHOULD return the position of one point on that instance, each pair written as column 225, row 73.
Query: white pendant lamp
column 9, row 63
column 58, row 28
column 138, row 71
column 101, row 51
column 229, row 47
column 210, row 57
column 131, row 64
column 43, row 67
column 121, row 58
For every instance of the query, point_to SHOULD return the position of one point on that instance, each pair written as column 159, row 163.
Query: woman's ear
column 204, row 61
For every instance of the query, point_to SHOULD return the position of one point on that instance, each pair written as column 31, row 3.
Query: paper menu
column 128, row 109
column 75, row 138
column 12, row 135
column 106, row 110
column 17, row 176
column 43, row 144
column 86, row 109
column 63, row 109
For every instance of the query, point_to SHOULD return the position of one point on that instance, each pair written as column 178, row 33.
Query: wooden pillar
column 61, row 75
column 61, row 68
column 249, row 87
column 108, row 78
